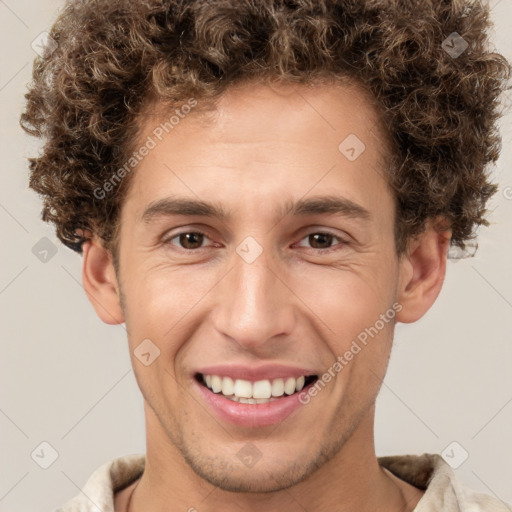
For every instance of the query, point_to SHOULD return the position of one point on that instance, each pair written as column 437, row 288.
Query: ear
column 422, row 272
column 100, row 282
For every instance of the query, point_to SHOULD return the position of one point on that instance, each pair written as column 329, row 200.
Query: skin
column 296, row 304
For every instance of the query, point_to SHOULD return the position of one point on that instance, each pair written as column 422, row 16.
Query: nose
column 255, row 308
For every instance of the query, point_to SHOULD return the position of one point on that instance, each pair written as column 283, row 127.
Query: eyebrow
column 332, row 205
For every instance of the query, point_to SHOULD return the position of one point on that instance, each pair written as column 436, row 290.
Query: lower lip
column 250, row 415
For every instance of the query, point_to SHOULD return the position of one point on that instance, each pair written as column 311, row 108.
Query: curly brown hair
column 113, row 57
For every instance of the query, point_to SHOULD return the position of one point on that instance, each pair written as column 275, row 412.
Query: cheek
column 160, row 302
column 362, row 361
column 345, row 301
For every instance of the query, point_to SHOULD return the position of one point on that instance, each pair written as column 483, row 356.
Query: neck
column 350, row 481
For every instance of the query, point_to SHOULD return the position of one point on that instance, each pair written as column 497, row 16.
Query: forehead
column 260, row 142
column 246, row 111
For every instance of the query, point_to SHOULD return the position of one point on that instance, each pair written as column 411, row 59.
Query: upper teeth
column 260, row 389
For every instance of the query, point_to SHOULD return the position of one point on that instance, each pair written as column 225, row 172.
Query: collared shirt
column 428, row 472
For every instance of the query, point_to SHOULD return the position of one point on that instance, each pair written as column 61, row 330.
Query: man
column 260, row 191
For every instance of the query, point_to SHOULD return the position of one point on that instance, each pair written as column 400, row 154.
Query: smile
column 258, row 392
column 252, row 403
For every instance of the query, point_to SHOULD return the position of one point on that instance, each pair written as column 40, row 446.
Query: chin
column 253, row 480
column 272, row 473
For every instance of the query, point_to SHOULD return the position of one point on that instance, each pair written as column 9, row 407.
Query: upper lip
column 255, row 373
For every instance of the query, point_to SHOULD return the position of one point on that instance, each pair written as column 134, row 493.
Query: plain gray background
column 66, row 377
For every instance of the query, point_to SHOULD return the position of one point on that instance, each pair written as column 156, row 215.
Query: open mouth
column 258, row 392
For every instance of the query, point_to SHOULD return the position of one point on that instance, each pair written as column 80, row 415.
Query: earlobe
column 422, row 273
column 100, row 282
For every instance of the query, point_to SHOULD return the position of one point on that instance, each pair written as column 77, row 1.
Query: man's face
column 266, row 289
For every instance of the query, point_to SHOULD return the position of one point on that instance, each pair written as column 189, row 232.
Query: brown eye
column 189, row 240
column 323, row 241
column 320, row 240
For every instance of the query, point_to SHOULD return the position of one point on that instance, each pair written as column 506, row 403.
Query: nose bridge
column 254, row 304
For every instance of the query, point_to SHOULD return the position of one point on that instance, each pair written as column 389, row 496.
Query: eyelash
column 342, row 241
